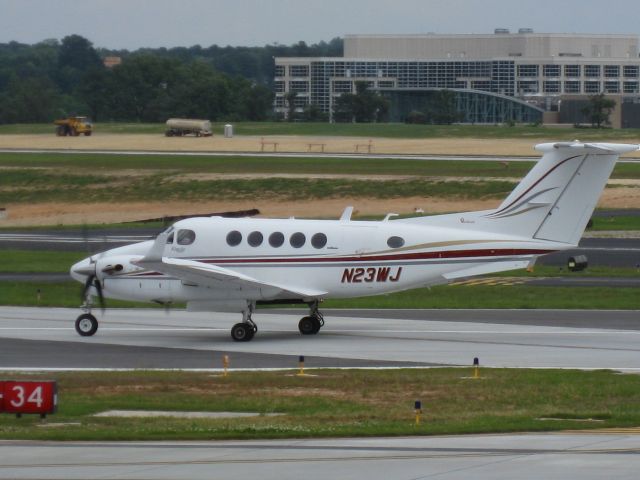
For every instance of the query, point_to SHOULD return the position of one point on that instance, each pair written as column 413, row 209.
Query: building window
column 528, row 86
column 612, row 71
column 572, row 86
column 592, row 71
column 300, row 102
column 395, row 242
column 297, row 240
column 386, row 84
column 255, row 239
column 527, row 70
column 234, row 238
column 299, row 71
column 342, row 86
column 279, row 102
column 186, row 237
column 279, row 71
column 551, row 86
column 276, row 239
column 278, row 86
column 631, row 71
column 611, row 87
column 551, row 70
column 298, row 86
column 630, row 87
column 319, row 240
column 572, row 70
column 592, row 87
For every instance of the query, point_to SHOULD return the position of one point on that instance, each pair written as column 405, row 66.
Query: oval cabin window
column 276, row 239
column 234, row 238
column 297, row 240
column 395, row 242
column 255, row 239
column 319, row 240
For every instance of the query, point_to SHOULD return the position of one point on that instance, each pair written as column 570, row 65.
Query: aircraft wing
column 204, row 274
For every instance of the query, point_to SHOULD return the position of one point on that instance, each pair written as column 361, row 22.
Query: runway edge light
column 301, row 365
column 476, row 367
column 418, row 410
column 225, row 364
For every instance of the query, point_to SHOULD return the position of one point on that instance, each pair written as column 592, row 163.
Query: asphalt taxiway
column 44, row 339
column 615, row 454
column 35, row 338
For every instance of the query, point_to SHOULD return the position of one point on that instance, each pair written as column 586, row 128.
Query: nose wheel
column 86, row 325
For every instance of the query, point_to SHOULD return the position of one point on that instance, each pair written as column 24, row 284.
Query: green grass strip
column 67, row 294
column 333, row 403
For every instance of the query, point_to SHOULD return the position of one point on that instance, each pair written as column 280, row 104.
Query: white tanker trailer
column 177, row 127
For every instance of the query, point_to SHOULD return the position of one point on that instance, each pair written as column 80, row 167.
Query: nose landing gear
column 86, row 324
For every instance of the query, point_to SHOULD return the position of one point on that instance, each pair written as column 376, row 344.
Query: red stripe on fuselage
column 502, row 252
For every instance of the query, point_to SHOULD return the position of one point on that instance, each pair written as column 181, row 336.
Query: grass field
column 67, row 294
column 381, row 130
column 334, row 403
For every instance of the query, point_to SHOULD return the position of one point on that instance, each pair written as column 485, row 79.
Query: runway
column 44, row 338
column 482, row 457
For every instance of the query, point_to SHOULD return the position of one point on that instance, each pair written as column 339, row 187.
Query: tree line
column 52, row 79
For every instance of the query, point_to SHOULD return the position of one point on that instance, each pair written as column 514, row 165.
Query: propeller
column 93, row 281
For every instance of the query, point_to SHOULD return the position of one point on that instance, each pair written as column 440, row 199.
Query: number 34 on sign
column 29, row 397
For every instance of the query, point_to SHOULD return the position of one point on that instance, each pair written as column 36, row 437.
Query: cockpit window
column 186, row 237
column 170, row 238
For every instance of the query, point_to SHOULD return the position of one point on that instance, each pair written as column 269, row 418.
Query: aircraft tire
column 86, row 325
column 309, row 325
column 242, row 332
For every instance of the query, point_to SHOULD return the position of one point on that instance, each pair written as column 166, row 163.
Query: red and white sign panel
column 29, row 397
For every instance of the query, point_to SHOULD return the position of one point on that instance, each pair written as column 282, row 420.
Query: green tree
column 443, row 108
column 361, row 107
column 598, row 110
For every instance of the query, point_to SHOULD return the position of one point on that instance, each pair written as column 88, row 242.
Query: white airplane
column 233, row 264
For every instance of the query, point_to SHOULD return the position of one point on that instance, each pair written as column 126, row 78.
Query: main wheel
column 309, row 325
column 242, row 332
column 86, row 325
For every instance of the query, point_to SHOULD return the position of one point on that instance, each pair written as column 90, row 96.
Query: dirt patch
column 285, row 143
column 95, row 213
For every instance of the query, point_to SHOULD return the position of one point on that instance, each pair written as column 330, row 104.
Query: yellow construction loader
column 73, row 126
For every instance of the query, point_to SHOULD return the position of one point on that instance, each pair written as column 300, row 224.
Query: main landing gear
column 311, row 324
column 245, row 330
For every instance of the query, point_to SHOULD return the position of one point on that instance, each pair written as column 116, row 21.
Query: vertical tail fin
column 557, row 197
column 553, row 202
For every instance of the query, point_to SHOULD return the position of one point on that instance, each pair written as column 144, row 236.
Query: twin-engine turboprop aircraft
column 233, row 264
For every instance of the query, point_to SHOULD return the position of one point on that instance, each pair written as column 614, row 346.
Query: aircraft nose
column 81, row 270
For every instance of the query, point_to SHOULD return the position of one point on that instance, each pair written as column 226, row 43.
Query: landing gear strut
column 311, row 324
column 245, row 330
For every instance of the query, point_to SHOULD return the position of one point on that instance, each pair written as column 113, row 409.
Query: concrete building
column 498, row 77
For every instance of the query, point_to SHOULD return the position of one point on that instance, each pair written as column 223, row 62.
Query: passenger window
column 186, row 237
column 170, row 238
column 297, row 240
column 276, row 239
column 319, row 240
column 395, row 242
column 255, row 239
column 234, row 238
